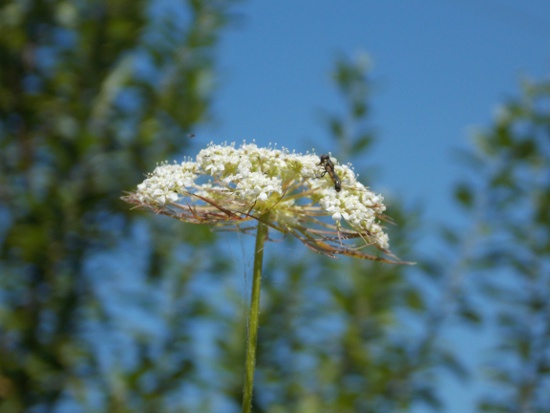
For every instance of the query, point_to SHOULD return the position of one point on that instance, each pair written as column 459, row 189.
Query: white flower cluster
column 287, row 184
column 166, row 181
column 359, row 208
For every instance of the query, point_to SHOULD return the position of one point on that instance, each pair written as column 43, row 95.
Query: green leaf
column 464, row 195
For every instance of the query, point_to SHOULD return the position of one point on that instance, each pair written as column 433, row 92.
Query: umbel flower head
column 319, row 202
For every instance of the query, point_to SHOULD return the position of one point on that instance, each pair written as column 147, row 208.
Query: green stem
column 254, row 315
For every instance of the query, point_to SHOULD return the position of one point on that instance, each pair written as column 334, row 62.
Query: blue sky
column 441, row 68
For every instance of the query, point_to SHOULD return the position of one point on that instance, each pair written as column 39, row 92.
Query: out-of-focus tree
column 92, row 95
column 509, row 202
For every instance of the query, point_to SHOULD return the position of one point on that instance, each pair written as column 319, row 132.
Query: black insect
column 329, row 168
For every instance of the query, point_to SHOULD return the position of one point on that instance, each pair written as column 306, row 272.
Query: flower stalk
column 254, row 315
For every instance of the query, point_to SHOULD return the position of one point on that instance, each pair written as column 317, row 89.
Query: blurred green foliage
column 92, row 95
column 510, row 206
column 105, row 309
